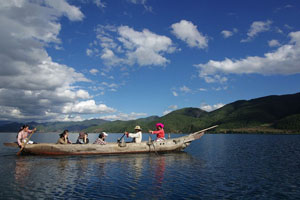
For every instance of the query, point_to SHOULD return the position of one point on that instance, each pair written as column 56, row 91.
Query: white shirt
column 137, row 137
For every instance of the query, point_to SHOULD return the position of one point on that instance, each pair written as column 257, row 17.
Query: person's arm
column 30, row 131
column 99, row 141
column 69, row 142
column 20, row 138
column 133, row 135
column 156, row 132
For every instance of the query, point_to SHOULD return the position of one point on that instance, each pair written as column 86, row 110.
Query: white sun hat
column 104, row 133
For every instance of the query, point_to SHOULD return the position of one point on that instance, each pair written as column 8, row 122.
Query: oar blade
column 11, row 144
column 19, row 152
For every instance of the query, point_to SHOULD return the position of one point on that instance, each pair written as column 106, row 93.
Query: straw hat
column 137, row 128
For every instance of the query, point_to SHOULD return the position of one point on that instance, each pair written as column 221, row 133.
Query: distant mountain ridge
column 52, row 126
column 270, row 114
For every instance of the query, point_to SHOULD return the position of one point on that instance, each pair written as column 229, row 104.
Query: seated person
column 101, row 139
column 160, row 133
column 137, row 136
column 82, row 138
column 23, row 135
column 63, row 138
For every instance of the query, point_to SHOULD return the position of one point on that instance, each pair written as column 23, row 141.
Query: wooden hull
column 168, row 145
column 94, row 149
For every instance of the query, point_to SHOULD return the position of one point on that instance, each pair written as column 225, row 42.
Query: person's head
column 82, row 135
column 24, row 127
column 159, row 126
column 137, row 128
column 103, row 135
column 65, row 133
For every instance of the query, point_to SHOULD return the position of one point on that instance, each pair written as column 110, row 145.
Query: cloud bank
column 124, row 45
column 283, row 61
column 32, row 86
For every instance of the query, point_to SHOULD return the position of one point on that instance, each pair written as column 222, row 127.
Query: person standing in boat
column 137, row 136
column 82, row 138
column 63, row 138
column 160, row 133
column 101, row 138
column 23, row 134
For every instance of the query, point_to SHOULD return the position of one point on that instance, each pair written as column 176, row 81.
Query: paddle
column 205, row 129
column 119, row 140
column 19, row 152
column 150, row 141
column 11, row 144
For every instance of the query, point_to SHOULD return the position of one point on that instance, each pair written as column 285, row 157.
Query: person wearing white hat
column 137, row 136
column 101, row 139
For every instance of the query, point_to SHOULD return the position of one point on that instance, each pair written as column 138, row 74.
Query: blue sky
column 127, row 59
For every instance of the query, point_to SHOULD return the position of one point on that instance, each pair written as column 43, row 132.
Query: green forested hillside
column 270, row 114
column 122, row 126
column 267, row 114
column 71, row 126
column 261, row 112
column 291, row 122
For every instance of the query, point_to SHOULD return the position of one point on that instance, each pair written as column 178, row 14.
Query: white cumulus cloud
column 167, row 112
column 170, row 109
column 283, row 61
column 62, row 7
column 124, row 116
column 99, row 3
column 185, row 89
column 87, row 107
column 94, row 71
column 188, row 32
column 273, row 43
column 256, row 28
column 227, row 33
column 33, row 87
column 209, row 108
column 124, row 45
column 173, row 107
column 175, row 94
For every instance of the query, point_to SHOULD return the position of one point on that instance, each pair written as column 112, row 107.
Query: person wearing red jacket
column 160, row 133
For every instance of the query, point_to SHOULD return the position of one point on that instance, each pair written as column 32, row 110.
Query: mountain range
column 269, row 114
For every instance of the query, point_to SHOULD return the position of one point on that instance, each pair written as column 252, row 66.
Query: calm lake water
column 217, row 166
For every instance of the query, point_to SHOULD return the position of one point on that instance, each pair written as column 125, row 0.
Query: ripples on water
column 214, row 167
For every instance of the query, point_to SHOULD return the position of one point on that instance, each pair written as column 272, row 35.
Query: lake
column 218, row 166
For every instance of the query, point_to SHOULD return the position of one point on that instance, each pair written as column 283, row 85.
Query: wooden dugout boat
column 168, row 145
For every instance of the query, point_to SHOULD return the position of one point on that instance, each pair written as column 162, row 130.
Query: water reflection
column 159, row 171
column 22, row 170
column 215, row 167
column 86, row 176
